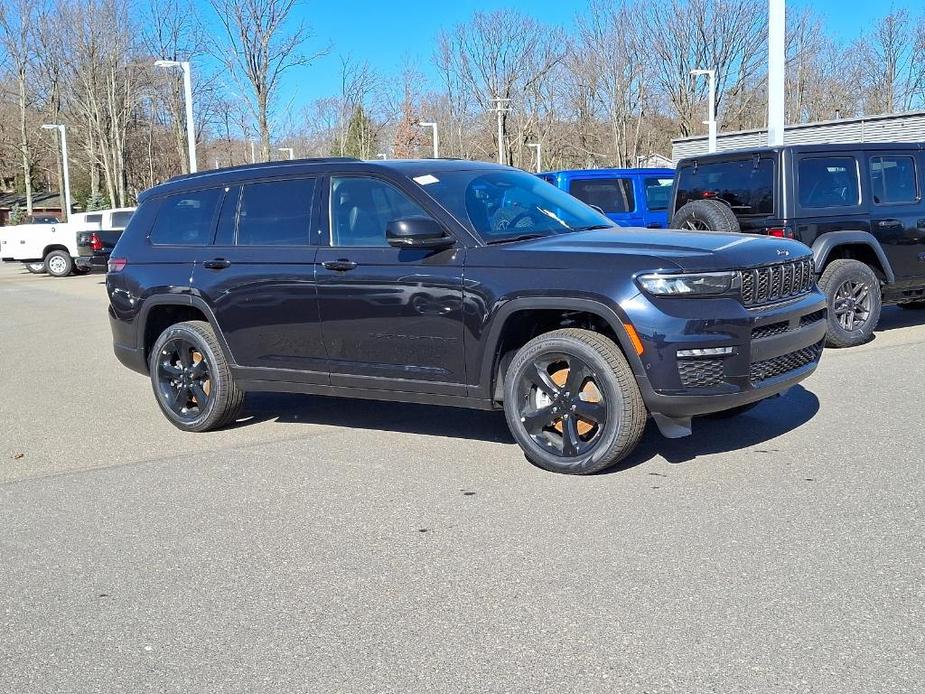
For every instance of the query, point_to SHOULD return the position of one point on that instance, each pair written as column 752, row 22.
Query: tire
column 81, row 270
column 734, row 412
column 36, row 268
column 852, row 292
column 173, row 358
column 705, row 215
column 606, row 389
column 59, row 263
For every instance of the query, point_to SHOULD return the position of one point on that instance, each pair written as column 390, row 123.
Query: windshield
column 503, row 205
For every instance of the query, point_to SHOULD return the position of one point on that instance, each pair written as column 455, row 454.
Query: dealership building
column 893, row 127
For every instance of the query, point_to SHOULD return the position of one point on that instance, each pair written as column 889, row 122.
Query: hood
column 692, row 251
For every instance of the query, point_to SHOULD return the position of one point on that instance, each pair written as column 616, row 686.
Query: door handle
column 217, row 264
column 341, row 265
column 889, row 223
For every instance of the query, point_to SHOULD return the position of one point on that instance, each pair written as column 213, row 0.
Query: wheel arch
column 55, row 247
column 855, row 245
column 159, row 312
column 499, row 348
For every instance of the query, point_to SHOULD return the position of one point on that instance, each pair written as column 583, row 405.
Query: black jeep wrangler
column 858, row 206
column 455, row 283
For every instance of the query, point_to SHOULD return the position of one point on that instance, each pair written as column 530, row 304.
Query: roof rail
column 261, row 164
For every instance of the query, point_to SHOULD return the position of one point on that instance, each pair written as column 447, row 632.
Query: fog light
column 706, row 352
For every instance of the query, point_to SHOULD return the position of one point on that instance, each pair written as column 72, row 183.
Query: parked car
column 629, row 197
column 858, row 206
column 455, row 283
column 78, row 245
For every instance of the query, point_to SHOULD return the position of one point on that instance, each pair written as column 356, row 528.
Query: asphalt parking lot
column 334, row 545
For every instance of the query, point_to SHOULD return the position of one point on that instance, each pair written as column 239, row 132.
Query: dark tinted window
column 276, row 213
column 120, row 219
column 608, row 194
column 227, row 217
column 94, row 218
column 746, row 185
column 185, row 219
column 658, row 192
column 828, row 182
column 362, row 207
column 892, row 179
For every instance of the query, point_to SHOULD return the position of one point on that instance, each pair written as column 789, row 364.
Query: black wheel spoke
column 171, row 369
column 199, row 369
column 571, row 441
column 535, row 420
column 201, row 398
column 539, row 377
column 591, row 411
column 186, row 355
column 577, row 374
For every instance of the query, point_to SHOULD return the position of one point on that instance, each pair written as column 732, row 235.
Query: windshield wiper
column 522, row 237
column 593, row 227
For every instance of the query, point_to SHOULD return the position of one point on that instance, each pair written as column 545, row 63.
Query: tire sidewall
column 605, row 380
column 715, row 215
column 204, row 420
column 853, row 271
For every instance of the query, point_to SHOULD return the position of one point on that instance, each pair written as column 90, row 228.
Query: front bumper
column 771, row 349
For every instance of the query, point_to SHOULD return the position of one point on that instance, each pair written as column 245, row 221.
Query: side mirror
column 417, row 232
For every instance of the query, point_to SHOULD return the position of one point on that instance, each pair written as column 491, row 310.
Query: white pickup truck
column 67, row 247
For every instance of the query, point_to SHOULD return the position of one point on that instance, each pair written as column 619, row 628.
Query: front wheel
column 191, row 378
column 854, row 301
column 572, row 403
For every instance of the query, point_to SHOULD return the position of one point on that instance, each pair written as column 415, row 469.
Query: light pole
column 67, row 178
column 381, row 155
column 501, row 106
column 777, row 28
column 539, row 154
column 287, row 149
column 188, row 94
column 711, row 108
column 433, row 126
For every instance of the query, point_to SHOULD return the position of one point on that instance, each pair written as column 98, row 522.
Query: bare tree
column 894, row 54
column 261, row 42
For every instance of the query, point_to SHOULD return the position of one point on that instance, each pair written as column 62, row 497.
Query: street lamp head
column 167, row 63
column 698, row 72
column 50, row 126
column 427, row 124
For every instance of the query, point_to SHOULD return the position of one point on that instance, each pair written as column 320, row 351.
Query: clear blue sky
column 386, row 31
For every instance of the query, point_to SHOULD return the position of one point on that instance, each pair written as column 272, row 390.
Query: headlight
column 698, row 284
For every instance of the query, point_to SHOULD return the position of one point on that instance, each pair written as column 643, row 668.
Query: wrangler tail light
column 95, row 243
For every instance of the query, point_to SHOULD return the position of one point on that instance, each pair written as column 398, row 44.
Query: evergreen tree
column 359, row 139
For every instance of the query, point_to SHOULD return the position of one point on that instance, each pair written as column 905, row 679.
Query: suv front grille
column 765, row 285
column 769, row 368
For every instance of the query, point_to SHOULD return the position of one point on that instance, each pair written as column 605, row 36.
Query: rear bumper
column 98, row 261
column 770, row 350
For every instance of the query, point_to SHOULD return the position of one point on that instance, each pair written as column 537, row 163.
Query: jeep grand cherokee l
column 455, row 283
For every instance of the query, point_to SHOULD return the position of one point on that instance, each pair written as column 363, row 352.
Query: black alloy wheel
column 572, row 402
column 184, row 379
column 851, row 304
column 852, row 291
column 560, row 405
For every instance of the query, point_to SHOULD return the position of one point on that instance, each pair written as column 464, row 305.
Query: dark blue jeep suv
column 456, row 283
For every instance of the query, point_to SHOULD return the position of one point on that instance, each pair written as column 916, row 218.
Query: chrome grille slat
column 771, row 283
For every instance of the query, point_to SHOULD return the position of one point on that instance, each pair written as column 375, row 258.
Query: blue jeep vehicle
column 630, row 197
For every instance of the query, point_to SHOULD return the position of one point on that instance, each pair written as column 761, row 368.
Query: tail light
column 781, row 233
column 117, row 264
column 95, row 243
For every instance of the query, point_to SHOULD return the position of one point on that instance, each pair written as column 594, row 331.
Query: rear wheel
column 59, row 263
column 572, row 402
column 191, row 379
column 36, row 268
column 854, row 301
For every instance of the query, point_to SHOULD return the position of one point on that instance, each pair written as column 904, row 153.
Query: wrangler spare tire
column 705, row 215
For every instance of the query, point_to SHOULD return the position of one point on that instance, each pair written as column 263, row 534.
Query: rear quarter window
column 185, row 219
column 658, row 192
column 825, row 182
column 746, row 185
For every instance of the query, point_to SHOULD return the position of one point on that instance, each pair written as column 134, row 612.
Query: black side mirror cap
column 417, row 232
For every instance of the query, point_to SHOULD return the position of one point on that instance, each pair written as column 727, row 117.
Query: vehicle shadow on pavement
column 432, row 420
column 768, row 420
column 894, row 317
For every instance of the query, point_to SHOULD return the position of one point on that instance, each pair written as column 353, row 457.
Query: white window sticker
column 426, row 179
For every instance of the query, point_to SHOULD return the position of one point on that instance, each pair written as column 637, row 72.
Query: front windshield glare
column 502, row 205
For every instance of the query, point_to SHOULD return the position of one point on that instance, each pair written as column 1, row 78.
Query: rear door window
column 608, row 194
column 893, row 179
column 658, row 192
column 276, row 213
column 185, row 219
column 828, row 182
column 746, row 185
